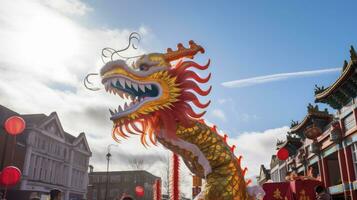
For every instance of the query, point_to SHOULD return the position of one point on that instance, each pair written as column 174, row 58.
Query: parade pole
column 108, row 159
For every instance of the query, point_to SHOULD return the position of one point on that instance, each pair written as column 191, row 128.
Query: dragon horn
column 183, row 52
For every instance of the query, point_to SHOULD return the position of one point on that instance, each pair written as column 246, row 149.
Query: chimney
column 91, row 168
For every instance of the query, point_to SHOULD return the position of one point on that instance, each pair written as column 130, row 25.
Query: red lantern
column 15, row 125
column 10, row 176
column 139, row 191
column 283, row 154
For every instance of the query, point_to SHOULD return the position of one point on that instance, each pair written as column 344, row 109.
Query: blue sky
column 247, row 39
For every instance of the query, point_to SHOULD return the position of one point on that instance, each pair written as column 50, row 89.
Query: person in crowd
column 288, row 176
column 55, row 194
column 321, row 193
column 34, row 196
column 126, row 197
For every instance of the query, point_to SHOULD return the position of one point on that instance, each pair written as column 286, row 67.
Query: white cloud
column 257, row 148
column 71, row 7
column 218, row 113
column 275, row 77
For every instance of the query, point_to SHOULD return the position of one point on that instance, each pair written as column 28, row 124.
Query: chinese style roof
column 314, row 117
column 343, row 89
column 291, row 142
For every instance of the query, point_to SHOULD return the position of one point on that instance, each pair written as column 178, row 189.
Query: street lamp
column 108, row 158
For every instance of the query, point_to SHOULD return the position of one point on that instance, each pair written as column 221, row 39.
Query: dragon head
column 157, row 94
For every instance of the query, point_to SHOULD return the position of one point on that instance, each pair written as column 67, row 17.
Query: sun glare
column 48, row 38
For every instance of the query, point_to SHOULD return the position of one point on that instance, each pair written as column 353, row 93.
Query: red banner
column 294, row 190
column 277, row 191
column 304, row 190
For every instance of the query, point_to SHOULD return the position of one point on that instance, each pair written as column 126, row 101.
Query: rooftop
column 343, row 89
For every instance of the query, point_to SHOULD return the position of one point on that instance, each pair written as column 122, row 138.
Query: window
column 65, row 153
column 104, row 178
column 95, row 194
column 275, row 176
column 354, row 156
column 43, row 147
column 349, row 122
column 282, row 173
column 103, row 192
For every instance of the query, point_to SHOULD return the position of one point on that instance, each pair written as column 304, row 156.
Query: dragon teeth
column 125, row 106
column 126, row 95
column 142, row 88
column 111, row 112
column 135, row 86
column 122, row 82
column 148, row 86
column 128, row 83
column 120, row 109
column 106, row 86
column 120, row 93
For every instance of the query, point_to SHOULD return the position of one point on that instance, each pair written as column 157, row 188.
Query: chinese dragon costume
column 161, row 97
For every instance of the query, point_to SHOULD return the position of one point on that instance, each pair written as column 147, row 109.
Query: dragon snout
column 112, row 65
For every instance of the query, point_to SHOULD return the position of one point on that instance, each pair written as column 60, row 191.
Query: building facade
column 264, row 175
column 324, row 145
column 49, row 157
column 114, row 184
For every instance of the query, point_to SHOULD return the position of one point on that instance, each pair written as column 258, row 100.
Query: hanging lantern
column 15, row 125
column 139, row 191
column 313, row 132
column 10, row 176
column 283, row 154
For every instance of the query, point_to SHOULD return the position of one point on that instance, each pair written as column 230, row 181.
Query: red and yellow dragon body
column 159, row 98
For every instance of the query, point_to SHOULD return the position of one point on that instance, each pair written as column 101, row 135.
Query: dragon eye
column 144, row 67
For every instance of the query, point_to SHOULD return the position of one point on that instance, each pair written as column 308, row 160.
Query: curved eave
column 307, row 119
column 290, row 141
column 344, row 76
column 281, row 145
column 300, row 125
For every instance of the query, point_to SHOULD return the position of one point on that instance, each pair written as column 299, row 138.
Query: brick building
column 120, row 182
column 47, row 156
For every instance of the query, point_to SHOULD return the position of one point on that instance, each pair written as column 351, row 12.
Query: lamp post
column 108, row 159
